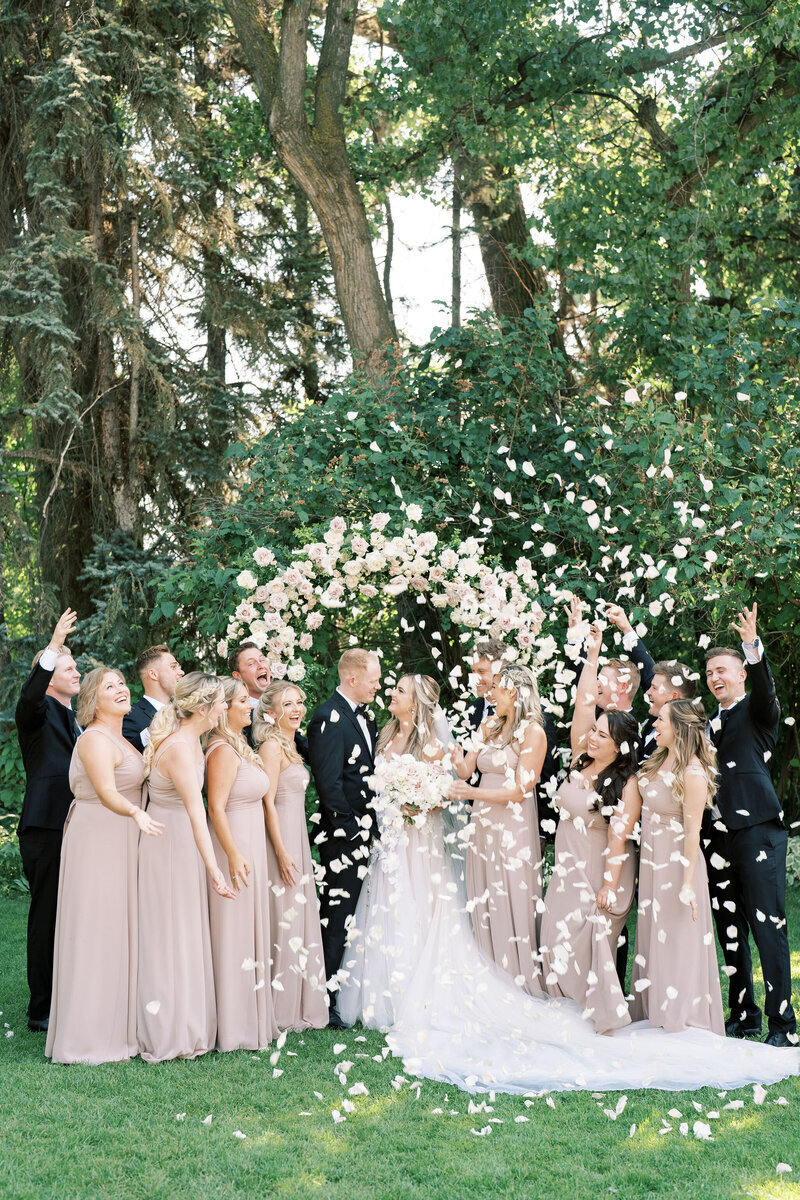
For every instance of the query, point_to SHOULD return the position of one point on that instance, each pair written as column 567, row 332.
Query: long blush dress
column 177, row 1012
column 93, row 1010
column 578, row 941
column 298, row 969
column 675, row 981
column 240, row 928
column 504, row 877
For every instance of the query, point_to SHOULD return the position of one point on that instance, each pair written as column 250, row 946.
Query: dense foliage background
column 198, row 348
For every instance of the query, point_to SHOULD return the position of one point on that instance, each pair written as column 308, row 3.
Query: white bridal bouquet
column 406, row 792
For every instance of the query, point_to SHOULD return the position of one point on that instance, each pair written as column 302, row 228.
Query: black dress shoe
column 335, row 1021
column 779, row 1039
column 734, row 1028
column 39, row 1026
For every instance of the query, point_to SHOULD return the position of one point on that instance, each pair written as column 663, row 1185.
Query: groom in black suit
column 47, row 732
column 745, row 844
column 341, row 749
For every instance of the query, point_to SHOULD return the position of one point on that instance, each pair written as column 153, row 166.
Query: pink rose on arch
column 273, row 621
column 368, row 590
column 245, row 612
column 379, row 521
column 449, row 559
column 359, row 545
column 306, row 641
column 436, row 574
column 292, row 578
column 418, row 583
column 338, row 525
column 277, row 670
column 315, row 550
column 263, row 557
column 260, row 594
column 353, row 567
column 314, row 620
column 278, row 600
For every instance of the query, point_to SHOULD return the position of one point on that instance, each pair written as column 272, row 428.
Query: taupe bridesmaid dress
column 177, row 1012
column 240, row 929
column 301, row 1001
column 675, row 954
column 578, row 941
column 93, row 1009
column 503, row 873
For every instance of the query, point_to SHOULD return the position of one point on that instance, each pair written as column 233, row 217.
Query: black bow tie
column 361, row 710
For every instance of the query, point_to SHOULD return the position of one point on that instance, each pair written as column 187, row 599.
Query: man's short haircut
column 678, row 676
column 627, row 673
column 233, row 657
column 60, row 651
column 148, row 656
column 491, row 648
column 723, row 652
column 354, row 661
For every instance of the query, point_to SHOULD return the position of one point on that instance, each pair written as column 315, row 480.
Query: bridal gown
column 413, row 969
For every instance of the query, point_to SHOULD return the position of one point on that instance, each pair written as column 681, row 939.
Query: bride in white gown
column 413, row 969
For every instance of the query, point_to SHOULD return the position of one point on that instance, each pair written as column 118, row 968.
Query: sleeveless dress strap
column 162, row 748
column 221, row 742
column 121, row 743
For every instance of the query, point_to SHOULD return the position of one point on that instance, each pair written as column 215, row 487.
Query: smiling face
column 65, row 681
column 725, row 676
column 165, row 673
column 401, row 702
column 253, row 670
column 659, row 692
column 113, row 696
column 214, row 712
column 289, row 711
column 600, row 746
column 240, row 712
column 361, row 686
column 503, row 698
column 665, row 734
column 483, row 671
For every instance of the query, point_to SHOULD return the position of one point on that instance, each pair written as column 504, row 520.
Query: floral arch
column 370, row 563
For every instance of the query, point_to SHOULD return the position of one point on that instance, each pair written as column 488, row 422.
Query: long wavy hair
column 688, row 722
column 222, row 731
column 265, row 726
column 426, row 700
column 192, row 693
column 624, row 732
column 502, row 731
column 86, row 707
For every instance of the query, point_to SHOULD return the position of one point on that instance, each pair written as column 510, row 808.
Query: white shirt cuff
column 629, row 640
column 48, row 660
column 576, row 633
column 753, row 654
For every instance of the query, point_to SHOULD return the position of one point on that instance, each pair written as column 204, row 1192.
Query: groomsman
column 619, row 679
column 672, row 680
column 341, row 746
column 47, row 732
column 248, row 663
column 159, row 671
column 745, row 845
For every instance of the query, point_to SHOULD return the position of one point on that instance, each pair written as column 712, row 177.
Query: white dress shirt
column 362, row 720
column 157, row 705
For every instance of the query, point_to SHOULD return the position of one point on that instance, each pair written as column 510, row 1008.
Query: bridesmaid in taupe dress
column 503, row 872
column 300, row 993
column 591, row 890
column 93, row 1009
column 240, row 933
column 176, row 1012
column 675, row 981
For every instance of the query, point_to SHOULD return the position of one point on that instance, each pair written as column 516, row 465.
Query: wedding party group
column 176, row 906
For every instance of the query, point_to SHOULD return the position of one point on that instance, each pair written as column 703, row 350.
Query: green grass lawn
column 135, row 1130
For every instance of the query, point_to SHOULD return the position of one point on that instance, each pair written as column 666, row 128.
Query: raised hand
column 64, row 627
column 594, row 638
column 617, row 616
column 745, row 624
column 147, row 824
column 574, row 611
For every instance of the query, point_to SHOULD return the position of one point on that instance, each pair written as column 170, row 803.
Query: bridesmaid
column 176, row 1012
column 504, row 877
column 93, row 1011
column 591, row 890
column 675, row 980
column 240, row 932
column 301, row 998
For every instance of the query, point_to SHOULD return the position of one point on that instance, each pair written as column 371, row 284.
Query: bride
column 412, row 966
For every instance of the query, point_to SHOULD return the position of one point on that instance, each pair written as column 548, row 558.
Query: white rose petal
column 153, row 1008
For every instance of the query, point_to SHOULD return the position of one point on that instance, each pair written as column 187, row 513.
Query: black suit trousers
column 748, row 895
column 41, row 857
column 339, row 896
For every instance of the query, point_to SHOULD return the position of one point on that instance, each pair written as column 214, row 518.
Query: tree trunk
column 315, row 155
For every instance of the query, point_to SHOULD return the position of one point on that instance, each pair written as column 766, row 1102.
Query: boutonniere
column 370, row 715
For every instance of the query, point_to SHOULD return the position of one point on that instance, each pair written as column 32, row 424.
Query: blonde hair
column 265, row 727
column 426, row 698
column 354, row 661
column 627, row 672
column 222, row 731
column 527, row 706
column 690, row 743
column 86, row 705
column 192, row 693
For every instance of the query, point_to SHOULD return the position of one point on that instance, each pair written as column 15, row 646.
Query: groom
column 341, row 753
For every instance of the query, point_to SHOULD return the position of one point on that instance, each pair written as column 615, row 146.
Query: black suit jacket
column 743, row 736
column 47, row 733
column 136, row 721
column 340, row 760
column 474, row 713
